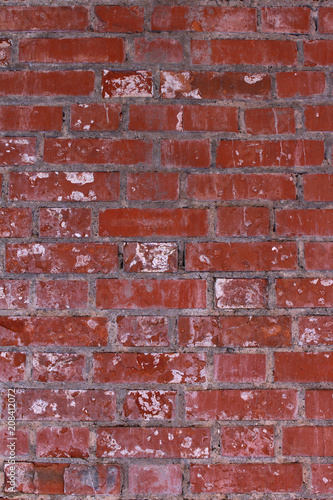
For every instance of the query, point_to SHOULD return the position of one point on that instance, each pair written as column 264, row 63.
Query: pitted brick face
column 166, row 249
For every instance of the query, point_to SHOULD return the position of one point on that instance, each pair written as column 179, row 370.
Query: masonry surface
column 166, row 252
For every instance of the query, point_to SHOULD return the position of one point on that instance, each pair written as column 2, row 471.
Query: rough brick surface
column 166, row 249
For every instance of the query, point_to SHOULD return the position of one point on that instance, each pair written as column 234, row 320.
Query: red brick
column 150, row 405
column 14, row 294
column 318, row 52
column 322, row 479
column 5, row 51
column 191, row 84
column 154, row 294
column 43, row 18
column 242, row 221
column 304, row 292
column 68, row 331
column 153, row 442
column 72, row 50
column 12, row 366
column 60, row 404
column 246, row 85
column 319, row 404
column 300, row 84
column 152, row 186
column 185, row 154
column 95, row 117
column 219, row 19
column 167, row 50
column 151, row 257
column 279, row 404
column 303, row 367
column 241, row 293
column 238, row 367
column 234, row 256
column 246, row 478
column 58, row 367
column 46, row 83
column 93, row 480
column 239, row 52
column 153, row 222
column 247, row 441
column 155, row 479
column 61, row 294
column 17, row 150
column 286, row 20
column 319, row 118
column 235, row 331
column 37, row 478
column 143, row 331
column 102, row 151
column 315, row 330
column 270, row 121
column 318, row 187
column 30, row 118
column 308, row 441
column 210, row 118
column 22, row 442
column 316, row 222
column 65, row 222
column 325, row 20
column 57, row 258
column 231, row 154
column 241, row 187
column 160, row 368
column 62, row 442
column 64, row 186
column 318, row 255
column 155, row 117
column 127, row 84
column 119, row 19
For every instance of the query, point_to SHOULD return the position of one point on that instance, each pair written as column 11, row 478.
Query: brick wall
column 166, row 248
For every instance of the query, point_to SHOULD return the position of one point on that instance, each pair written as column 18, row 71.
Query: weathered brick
column 308, row 441
column 246, row 85
column 159, row 49
column 231, row 154
column 132, row 222
column 61, row 404
column 62, row 442
column 150, row 405
column 94, row 480
column 233, row 404
column 286, row 20
column 153, row 442
column 304, row 222
column 161, row 368
column 17, row 150
column 70, row 331
column 239, row 367
column 72, row 50
column 304, row 292
column 151, row 257
column 263, row 256
column 143, row 331
column 64, row 186
column 153, row 186
column 12, row 366
column 318, row 52
column 61, row 294
column 241, row 187
column 55, row 258
column 300, row 83
column 185, row 154
column 22, row 442
column 58, row 367
column 47, row 83
column 246, row 478
column 43, row 18
column 119, row 18
column 247, row 441
column 315, row 330
column 325, row 19
column 319, row 404
column 155, row 479
column 95, row 117
column 270, row 121
column 102, row 151
column 143, row 294
column 322, row 479
column 14, row 294
column 212, row 18
column 65, row 222
column 319, row 118
column 5, row 51
column 241, row 293
column 318, row 255
column 38, row 478
column 242, row 221
column 191, row 84
column 235, row 331
column 127, row 84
